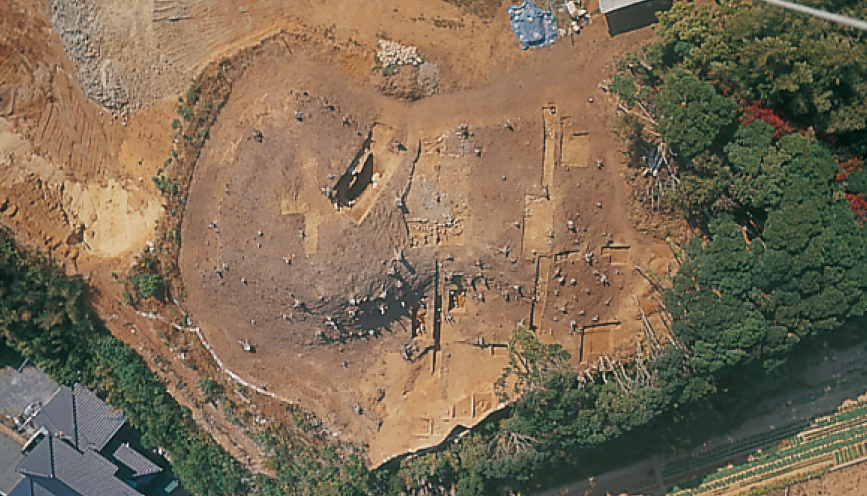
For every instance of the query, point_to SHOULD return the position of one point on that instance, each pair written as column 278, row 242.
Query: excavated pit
column 385, row 302
column 378, row 262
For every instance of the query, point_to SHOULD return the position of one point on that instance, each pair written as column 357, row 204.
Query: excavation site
column 370, row 258
column 359, row 237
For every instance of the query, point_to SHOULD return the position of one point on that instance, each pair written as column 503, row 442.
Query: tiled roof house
column 82, row 454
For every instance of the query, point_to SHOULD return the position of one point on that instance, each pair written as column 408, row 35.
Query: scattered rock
column 80, row 31
column 428, row 78
column 393, row 53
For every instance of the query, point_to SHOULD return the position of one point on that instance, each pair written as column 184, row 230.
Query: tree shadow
column 8, row 356
column 742, row 397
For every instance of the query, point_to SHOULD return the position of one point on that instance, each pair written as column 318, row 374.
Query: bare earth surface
column 381, row 300
column 850, row 481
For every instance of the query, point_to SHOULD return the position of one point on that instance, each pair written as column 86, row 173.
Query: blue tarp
column 533, row 26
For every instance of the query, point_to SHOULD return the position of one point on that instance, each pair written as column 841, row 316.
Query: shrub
column 147, row 285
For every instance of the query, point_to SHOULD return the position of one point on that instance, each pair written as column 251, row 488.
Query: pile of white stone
column 77, row 23
column 393, row 53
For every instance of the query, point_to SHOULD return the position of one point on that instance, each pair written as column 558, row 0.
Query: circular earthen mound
column 299, row 224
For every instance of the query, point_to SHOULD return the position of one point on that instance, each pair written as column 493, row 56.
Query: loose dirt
column 849, row 481
column 375, row 251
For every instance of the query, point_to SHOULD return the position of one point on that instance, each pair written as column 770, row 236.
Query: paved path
column 10, row 456
column 17, row 390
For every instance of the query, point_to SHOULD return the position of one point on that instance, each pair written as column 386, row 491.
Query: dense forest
column 752, row 123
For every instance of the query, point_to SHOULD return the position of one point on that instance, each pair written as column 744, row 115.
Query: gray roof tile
column 81, row 417
column 136, row 462
column 38, row 461
column 50, row 487
column 96, row 423
column 58, row 415
column 88, row 473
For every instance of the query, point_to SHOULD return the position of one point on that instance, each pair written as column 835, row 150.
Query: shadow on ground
column 8, row 356
column 803, row 381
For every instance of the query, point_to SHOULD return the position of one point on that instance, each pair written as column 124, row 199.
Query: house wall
column 635, row 16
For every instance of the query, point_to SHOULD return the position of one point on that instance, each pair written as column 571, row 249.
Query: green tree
column 692, row 195
column 693, row 113
column 530, row 362
column 810, row 69
column 625, row 88
column 757, row 178
column 210, row 389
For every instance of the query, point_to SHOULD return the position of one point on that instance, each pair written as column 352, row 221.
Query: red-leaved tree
column 756, row 112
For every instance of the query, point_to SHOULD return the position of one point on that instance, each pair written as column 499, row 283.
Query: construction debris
column 393, row 53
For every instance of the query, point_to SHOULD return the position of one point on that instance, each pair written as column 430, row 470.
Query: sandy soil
column 849, row 481
column 478, row 241
column 73, row 179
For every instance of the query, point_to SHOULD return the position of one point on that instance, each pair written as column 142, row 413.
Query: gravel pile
column 428, row 78
column 77, row 23
column 393, row 53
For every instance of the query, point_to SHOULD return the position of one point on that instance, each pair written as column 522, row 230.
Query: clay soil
column 384, row 304
column 849, row 481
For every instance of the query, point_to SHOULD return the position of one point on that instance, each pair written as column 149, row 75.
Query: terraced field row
column 828, row 442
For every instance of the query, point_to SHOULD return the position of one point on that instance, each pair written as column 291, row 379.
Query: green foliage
column 811, row 70
column 558, row 418
column 317, row 468
column 192, row 95
column 757, row 176
column 693, row 113
column 210, row 389
column 692, row 195
column 625, row 88
column 128, row 298
column 185, row 112
column 162, row 183
column 147, row 285
column 530, row 362
column 734, row 303
column 43, row 315
column 857, row 182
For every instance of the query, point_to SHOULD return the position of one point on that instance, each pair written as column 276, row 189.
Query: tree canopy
column 810, row 70
column 693, row 112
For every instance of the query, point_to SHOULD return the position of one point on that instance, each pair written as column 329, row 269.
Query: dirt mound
column 409, row 82
column 376, row 253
